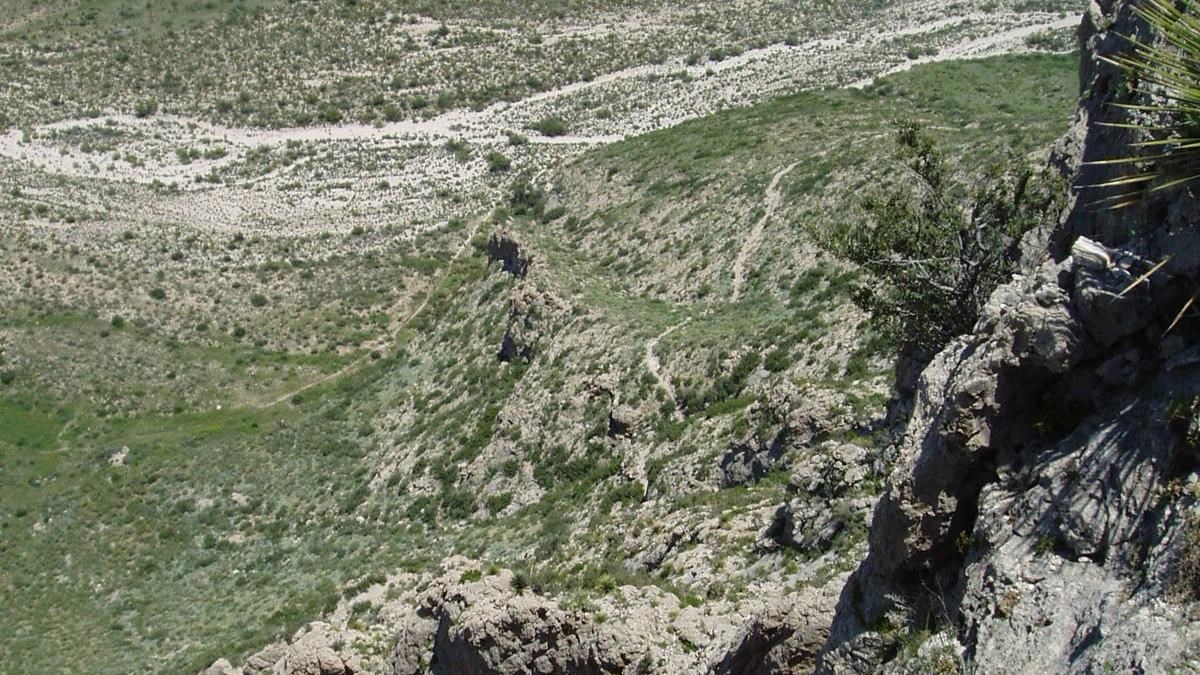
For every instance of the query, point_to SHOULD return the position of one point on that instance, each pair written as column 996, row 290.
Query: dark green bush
column 937, row 248
column 551, row 126
column 778, row 360
column 146, row 108
column 498, row 162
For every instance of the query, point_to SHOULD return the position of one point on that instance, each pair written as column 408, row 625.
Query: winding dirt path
column 640, row 473
column 773, row 200
column 652, row 362
column 366, row 358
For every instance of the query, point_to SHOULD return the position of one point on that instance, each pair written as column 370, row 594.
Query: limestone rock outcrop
column 1038, row 506
column 503, row 248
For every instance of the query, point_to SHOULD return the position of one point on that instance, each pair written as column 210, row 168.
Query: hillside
column 219, row 509
column 404, row 317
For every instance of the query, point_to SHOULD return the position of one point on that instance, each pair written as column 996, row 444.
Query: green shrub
column 329, row 114
column 258, row 300
column 457, row 504
column 520, row 581
column 498, row 162
column 158, row 294
column 937, row 249
column 526, row 200
column 551, row 126
column 510, row 467
column 497, row 503
column 459, row 148
column 145, row 108
column 778, row 360
column 1187, row 567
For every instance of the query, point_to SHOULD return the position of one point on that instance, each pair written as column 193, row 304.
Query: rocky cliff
column 1041, row 514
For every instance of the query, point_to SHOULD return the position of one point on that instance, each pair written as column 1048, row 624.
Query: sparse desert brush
column 498, row 162
column 551, row 126
column 1187, row 568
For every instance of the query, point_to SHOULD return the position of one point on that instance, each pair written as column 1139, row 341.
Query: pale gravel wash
column 752, row 75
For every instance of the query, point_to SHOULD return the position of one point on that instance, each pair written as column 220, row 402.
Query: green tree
column 938, row 244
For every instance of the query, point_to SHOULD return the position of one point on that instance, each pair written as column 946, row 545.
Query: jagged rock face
column 312, row 653
column 1037, row 507
column 533, row 315
column 747, row 461
column 781, row 639
column 513, row 258
column 826, row 499
column 467, row 621
column 265, row 658
column 807, row 418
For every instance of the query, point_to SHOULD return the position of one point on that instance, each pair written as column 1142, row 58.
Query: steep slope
column 633, row 501
column 255, row 376
column 1042, row 514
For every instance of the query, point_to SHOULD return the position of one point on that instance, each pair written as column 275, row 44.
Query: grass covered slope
column 160, row 533
column 668, row 211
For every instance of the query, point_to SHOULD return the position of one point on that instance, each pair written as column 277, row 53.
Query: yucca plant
column 1167, row 74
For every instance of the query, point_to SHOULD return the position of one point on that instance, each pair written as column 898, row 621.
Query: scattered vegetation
column 1187, row 569
column 350, row 366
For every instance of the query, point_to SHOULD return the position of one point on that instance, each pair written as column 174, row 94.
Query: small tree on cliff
column 937, row 245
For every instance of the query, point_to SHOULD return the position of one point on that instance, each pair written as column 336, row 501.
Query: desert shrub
column 258, row 300
column 497, row 503
column 145, row 108
column 526, row 200
column 459, row 148
column 520, row 581
column 778, row 360
column 551, row 126
column 937, row 247
column 457, row 504
column 498, row 162
column 1187, row 568
column 329, row 114
column 510, row 467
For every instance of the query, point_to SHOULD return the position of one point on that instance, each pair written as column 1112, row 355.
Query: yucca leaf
column 1138, row 281
column 1179, row 317
column 1168, row 69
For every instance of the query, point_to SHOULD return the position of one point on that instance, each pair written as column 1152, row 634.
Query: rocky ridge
column 1043, row 491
